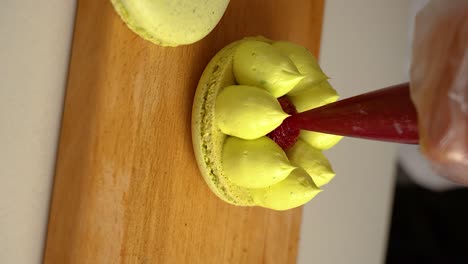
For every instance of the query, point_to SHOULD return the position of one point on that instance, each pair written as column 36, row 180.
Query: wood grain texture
column 127, row 188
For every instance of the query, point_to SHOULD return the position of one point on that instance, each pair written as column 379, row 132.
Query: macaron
column 171, row 23
column 236, row 106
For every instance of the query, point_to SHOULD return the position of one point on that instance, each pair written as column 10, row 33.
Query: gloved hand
column 439, row 85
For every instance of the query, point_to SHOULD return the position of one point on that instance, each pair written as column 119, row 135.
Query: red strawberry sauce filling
column 285, row 135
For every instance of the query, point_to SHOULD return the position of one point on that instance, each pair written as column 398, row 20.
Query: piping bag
column 385, row 115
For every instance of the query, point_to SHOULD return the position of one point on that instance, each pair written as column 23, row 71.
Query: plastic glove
column 439, row 85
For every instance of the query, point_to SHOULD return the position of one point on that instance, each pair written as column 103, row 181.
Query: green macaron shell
column 171, row 23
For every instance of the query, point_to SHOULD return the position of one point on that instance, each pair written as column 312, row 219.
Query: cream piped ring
column 236, row 106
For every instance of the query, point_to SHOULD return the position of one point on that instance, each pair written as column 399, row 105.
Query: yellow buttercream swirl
column 297, row 189
column 260, row 64
column 247, row 112
column 255, row 163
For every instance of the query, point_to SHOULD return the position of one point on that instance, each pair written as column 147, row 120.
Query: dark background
column 427, row 226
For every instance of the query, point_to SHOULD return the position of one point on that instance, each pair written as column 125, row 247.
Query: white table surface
column 364, row 47
column 35, row 39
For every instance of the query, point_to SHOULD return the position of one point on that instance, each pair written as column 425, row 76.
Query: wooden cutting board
column 127, row 188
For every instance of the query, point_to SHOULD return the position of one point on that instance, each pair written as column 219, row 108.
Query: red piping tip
column 385, row 115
